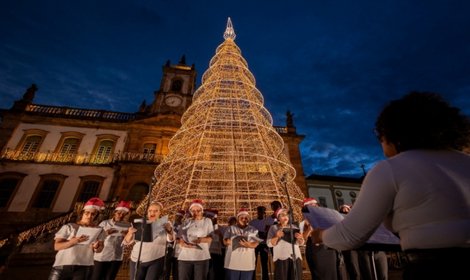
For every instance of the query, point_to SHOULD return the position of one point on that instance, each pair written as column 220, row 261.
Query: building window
column 69, row 146
column 150, row 148
column 9, row 182
column 31, row 144
column 68, row 151
column 176, row 85
column 104, row 148
column 352, row 194
column 138, row 192
column 88, row 190
column 339, row 193
column 46, row 195
column 104, row 151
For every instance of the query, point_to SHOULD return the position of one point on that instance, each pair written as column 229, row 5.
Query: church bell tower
column 176, row 89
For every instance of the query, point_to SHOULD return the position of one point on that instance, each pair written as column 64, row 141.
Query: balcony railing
column 68, row 112
column 78, row 159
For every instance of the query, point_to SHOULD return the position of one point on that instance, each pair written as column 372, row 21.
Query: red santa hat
column 280, row 211
column 196, row 202
column 123, row 206
column 243, row 211
column 310, row 201
column 94, row 203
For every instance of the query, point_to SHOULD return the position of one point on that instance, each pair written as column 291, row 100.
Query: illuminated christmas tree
column 226, row 152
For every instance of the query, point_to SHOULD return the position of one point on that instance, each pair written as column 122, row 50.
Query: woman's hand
column 77, row 239
column 129, row 237
column 97, row 246
column 300, row 238
column 280, row 233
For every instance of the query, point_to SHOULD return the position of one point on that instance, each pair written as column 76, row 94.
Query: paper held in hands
column 121, row 228
column 322, row 217
column 91, row 232
column 250, row 238
column 288, row 237
column 189, row 241
column 151, row 230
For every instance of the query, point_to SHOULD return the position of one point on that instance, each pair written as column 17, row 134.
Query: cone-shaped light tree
column 226, row 152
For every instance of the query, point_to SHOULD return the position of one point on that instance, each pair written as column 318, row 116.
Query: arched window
column 104, row 150
column 69, row 146
column 31, row 144
column 138, row 192
column 68, row 151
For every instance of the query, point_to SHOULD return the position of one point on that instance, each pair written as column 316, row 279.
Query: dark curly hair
column 423, row 120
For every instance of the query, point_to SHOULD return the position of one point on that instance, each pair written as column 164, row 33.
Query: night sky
column 334, row 64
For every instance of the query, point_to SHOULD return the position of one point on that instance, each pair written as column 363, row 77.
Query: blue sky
column 334, row 64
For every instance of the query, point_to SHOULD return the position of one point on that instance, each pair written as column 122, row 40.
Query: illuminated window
column 31, row 144
column 104, row 150
column 70, row 146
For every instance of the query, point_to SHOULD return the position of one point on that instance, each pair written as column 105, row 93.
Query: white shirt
column 423, row 195
column 241, row 259
column 192, row 229
column 77, row 254
column 112, row 250
column 150, row 250
column 283, row 249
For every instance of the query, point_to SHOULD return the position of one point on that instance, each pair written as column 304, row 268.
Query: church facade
column 53, row 157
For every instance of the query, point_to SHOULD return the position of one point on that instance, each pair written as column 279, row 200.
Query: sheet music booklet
column 287, row 234
column 151, row 229
column 120, row 227
column 91, row 232
column 237, row 238
column 187, row 240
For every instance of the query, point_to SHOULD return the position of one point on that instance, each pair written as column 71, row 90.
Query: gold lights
column 226, row 152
